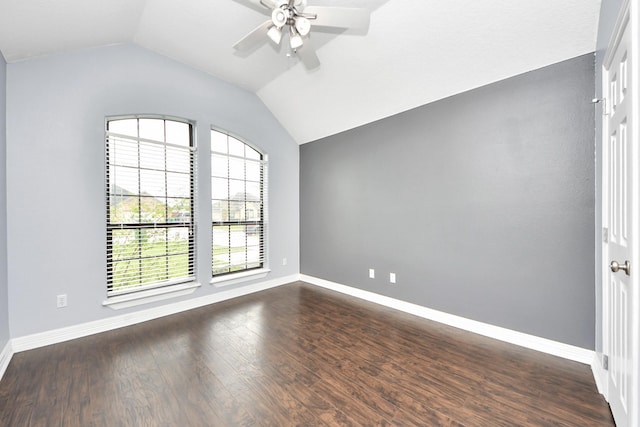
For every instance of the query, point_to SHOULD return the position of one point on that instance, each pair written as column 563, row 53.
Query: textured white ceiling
column 416, row 51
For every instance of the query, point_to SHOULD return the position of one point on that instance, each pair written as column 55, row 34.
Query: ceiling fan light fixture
column 275, row 34
column 299, row 18
column 278, row 17
column 303, row 25
column 295, row 39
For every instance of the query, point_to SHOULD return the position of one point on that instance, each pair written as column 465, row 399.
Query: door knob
column 626, row 267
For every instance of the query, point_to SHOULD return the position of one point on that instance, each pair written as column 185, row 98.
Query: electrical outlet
column 61, row 300
column 372, row 273
column 392, row 277
column 284, row 261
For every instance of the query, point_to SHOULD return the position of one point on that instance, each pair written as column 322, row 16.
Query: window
column 237, row 203
column 150, row 203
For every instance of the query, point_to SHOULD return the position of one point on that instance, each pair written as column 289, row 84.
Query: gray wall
column 482, row 204
column 609, row 10
column 4, row 289
column 56, row 107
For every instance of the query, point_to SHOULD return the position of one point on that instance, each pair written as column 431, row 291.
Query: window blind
column 238, row 201
column 150, row 202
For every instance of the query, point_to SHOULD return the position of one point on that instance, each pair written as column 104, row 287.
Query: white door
column 621, row 167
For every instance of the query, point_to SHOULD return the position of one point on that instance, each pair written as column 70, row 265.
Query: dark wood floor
column 295, row 355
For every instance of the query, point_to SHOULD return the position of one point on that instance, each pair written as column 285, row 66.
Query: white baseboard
column 544, row 345
column 5, row 358
column 532, row 342
column 600, row 376
column 55, row 336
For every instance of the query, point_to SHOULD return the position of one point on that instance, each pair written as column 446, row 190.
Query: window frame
column 236, row 276
column 179, row 284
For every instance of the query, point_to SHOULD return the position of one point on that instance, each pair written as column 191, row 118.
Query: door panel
column 621, row 184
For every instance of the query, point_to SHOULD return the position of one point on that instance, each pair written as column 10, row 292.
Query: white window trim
column 235, row 278
column 136, row 296
column 151, row 295
column 228, row 279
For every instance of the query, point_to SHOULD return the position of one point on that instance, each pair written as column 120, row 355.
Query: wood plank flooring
column 295, row 355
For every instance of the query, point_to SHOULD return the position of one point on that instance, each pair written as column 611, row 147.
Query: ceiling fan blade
column 264, row 7
column 307, row 54
column 341, row 17
column 254, row 38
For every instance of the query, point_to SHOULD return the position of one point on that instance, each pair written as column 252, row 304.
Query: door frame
column 629, row 14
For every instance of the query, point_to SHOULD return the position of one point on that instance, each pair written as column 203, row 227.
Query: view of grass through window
column 237, row 203
column 150, row 238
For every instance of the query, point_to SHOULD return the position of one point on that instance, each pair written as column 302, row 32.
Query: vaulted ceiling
column 416, row 51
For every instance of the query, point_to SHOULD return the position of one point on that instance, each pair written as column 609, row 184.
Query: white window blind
column 238, row 201
column 150, row 203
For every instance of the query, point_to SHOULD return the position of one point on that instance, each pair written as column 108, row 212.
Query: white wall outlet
column 61, row 300
column 372, row 273
column 392, row 277
column 284, row 261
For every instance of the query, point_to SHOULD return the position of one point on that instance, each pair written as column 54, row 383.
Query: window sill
column 151, row 295
column 232, row 279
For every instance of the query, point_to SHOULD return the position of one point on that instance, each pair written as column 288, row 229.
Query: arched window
column 238, row 194
column 150, row 203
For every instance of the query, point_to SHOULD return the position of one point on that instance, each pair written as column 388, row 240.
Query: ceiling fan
column 295, row 19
